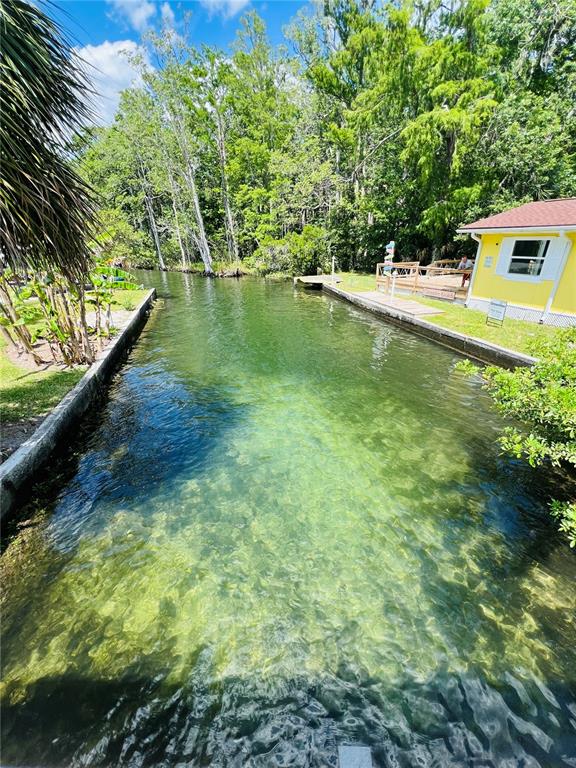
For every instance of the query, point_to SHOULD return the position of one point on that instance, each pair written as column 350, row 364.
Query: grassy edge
column 518, row 335
column 30, row 394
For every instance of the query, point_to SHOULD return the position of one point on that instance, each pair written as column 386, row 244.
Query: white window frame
column 507, row 275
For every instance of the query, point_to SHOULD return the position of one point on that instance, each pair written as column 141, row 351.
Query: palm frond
column 46, row 209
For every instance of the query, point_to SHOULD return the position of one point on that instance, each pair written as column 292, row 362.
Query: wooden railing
column 402, row 268
column 443, row 265
column 439, row 279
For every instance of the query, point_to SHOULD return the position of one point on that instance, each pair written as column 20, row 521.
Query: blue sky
column 102, row 30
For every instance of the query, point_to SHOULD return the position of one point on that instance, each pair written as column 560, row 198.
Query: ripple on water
column 290, row 529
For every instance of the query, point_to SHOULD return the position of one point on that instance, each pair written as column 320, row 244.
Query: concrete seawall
column 18, row 471
column 484, row 351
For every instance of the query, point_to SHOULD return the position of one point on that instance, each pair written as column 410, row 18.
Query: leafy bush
column 119, row 243
column 544, row 398
column 467, row 367
column 294, row 254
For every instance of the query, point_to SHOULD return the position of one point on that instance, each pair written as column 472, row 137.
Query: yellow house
column 527, row 257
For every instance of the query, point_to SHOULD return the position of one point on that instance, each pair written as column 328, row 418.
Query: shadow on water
column 121, row 459
column 155, row 427
column 446, row 720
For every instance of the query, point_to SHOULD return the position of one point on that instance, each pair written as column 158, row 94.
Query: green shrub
column 118, row 242
column 543, row 397
column 294, row 254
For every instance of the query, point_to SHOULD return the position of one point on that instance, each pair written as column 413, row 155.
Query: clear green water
column 289, row 528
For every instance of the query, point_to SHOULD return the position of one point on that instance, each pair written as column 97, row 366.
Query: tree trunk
column 231, row 240
column 201, row 238
column 183, row 252
column 151, row 217
column 88, row 351
column 190, row 176
column 20, row 331
column 154, row 230
column 9, row 340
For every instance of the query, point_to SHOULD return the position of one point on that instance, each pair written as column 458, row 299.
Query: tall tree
column 168, row 85
column 394, row 121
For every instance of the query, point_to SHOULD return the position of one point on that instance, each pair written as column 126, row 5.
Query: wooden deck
column 408, row 306
column 434, row 286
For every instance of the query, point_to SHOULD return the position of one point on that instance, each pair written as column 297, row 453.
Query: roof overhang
column 517, row 230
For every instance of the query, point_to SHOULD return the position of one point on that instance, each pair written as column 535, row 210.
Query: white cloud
column 226, row 8
column 110, row 72
column 137, row 13
column 168, row 17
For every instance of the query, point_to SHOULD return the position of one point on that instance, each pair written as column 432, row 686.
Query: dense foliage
column 50, row 266
column 388, row 121
column 543, row 399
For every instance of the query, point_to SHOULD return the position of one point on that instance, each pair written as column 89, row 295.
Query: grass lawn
column 128, row 299
column 513, row 334
column 356, row 281
column 26, row 394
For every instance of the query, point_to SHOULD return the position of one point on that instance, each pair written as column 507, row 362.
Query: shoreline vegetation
column 220, row 269
column 375, row 123
column 29, row 391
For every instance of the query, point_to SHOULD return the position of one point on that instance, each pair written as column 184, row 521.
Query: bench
column 439, row 293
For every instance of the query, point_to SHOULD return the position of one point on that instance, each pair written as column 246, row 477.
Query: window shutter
column 553, row 260
column 506, row 248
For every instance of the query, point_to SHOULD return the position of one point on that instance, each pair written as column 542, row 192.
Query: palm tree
column 46, row 209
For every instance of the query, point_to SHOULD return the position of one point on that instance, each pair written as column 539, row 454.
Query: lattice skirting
column 517, row 312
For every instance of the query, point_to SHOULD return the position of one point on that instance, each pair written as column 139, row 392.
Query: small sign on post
column 496, row 312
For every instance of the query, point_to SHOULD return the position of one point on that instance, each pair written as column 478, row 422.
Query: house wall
column 532, row 294
column 565, row 299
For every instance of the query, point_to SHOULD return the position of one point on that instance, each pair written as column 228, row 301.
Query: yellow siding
column 565, row 299
column 488, row 285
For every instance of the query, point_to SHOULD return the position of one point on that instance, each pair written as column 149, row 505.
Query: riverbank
column 479, row 349
column 221, row 269
column 29, row 392
column 516, row 335
column 35, row 440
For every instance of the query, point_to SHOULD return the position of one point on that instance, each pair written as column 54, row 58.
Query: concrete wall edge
column 484, row 351
column 19, row 469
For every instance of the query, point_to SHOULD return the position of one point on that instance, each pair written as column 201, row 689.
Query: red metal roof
column 542, row 213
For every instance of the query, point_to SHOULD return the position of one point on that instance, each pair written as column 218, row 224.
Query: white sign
column 497, row 310
column 488, row 261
